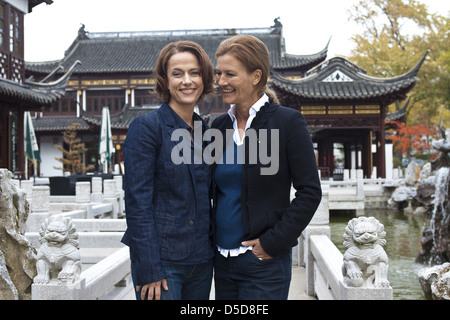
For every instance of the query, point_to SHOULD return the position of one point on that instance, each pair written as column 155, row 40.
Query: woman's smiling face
column 237, row 85
column 184, row 80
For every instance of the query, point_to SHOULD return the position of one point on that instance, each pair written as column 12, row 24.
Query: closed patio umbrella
column 31, row 145
column 105, row 147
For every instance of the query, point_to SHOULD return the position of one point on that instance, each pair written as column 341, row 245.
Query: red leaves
column 411, row 138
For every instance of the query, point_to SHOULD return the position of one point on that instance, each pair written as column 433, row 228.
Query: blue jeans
column 185, row 282
column 245, row 277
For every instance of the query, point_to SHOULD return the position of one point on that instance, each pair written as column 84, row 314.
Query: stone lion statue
column 58, row 256
column 365, row 261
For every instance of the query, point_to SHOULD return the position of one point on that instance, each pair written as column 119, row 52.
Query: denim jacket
column 167, row 205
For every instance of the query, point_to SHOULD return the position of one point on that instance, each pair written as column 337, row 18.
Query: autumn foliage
column 411, row 139
column 394, row 35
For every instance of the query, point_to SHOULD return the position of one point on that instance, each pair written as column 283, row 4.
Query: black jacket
column 267, row 211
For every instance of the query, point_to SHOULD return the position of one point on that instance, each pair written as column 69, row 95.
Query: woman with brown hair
column 168, row 205
column 256, row 223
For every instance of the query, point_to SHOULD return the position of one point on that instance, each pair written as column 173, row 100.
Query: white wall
column 389, row 155
column 388, row 158
column 48, row 153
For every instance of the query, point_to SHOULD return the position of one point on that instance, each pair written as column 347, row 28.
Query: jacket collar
column 261, row 118
column 171, row 119
column 264, row 114
column 167, row 115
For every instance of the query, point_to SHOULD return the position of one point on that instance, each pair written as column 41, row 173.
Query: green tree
column 396, row 34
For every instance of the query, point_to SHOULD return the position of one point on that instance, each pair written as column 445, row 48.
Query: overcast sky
column 307, row 25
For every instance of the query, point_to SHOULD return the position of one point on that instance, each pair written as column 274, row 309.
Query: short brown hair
column 160, row 72
column 253, row 54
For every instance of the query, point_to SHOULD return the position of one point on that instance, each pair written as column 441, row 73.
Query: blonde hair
column 160, row 72
column 253, row 54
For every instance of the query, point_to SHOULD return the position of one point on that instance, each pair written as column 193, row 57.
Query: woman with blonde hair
column 256, row 223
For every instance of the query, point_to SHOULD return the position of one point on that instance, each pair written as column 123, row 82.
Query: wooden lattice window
column 17, row 69
column 4, row 65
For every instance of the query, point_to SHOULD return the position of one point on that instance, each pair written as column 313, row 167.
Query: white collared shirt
column 253, row 110
column 237, row 139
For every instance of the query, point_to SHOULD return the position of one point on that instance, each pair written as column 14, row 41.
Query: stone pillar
column 97, row 185
column 360, row 191
column 120, row 193
column 110, row 195
column 109, row 188
column 352, row 174
column 40, row 199
column 40, row 207
column 319, row 225
column 346, row 175
column 83, row 192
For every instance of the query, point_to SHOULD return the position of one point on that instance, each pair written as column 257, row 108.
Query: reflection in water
column 403, row 235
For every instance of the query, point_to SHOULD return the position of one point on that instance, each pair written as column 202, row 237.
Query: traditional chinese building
column 116, row 71
column 18, row 95
column 344, row 106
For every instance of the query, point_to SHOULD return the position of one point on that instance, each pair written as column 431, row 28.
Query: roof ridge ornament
column 61, row 82
column 337, row 76
column 278, row 26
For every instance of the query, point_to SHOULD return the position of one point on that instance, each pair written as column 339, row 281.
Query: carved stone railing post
column 319, row 225
column 83, row 192
column 120, row 194
column 365, row 266
column 40, row 207
column 97, row 186
column 110, row 195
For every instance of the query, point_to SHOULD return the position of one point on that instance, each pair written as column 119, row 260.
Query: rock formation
column 435, row 282
column 433, row 196
column 17, row 256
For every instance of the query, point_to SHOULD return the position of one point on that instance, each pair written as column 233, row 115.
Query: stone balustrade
column 96, row 199
column 359, row 274
column 356, row 274
column 108, row 279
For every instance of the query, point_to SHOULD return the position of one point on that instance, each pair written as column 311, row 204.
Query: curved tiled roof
column 36, row 93
column 338, row 80
column 58, row 124
column 120, row 120
column 27, row 92
column 116, row 52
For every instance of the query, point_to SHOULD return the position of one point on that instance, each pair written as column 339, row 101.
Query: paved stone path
column 296, row 292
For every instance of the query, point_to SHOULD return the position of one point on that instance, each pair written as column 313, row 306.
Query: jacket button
column 191, row 223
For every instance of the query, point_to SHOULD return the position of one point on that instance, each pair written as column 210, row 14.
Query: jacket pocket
column 174, row 239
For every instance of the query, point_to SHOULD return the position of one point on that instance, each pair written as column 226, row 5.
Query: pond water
column 403, row 236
